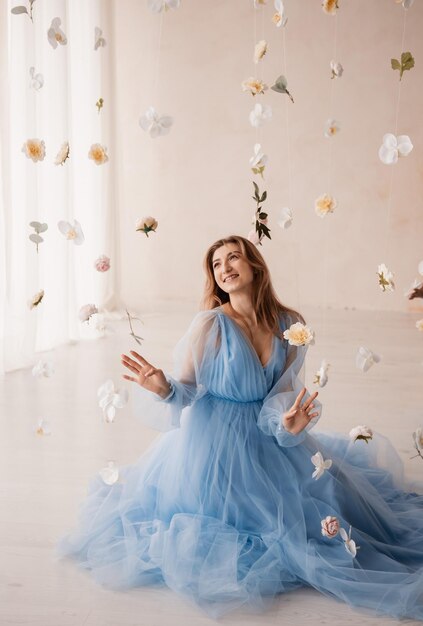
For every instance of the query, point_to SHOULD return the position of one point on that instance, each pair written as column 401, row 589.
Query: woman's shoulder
column 287, row 318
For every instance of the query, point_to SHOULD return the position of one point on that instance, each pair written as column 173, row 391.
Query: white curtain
column 64, row 109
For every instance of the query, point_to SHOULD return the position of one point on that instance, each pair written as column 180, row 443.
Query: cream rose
column 98, row 154
column 34, row 149
column 325, row 204
column 254, row 85
column 299, row 335
column 330, row 526
column 147, row 224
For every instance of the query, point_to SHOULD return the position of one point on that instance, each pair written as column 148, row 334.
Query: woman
column 225, row 508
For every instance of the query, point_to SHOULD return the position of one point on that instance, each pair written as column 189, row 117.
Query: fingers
column 131, row 378
column 313, row 415
column 130, row 363
column 307, row 403
column 150, row 372
column 299, row 398
column 140, row 358
column 130, row 367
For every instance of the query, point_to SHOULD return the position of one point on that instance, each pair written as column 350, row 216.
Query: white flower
column 405, row 3
column 385, row 278
column 98, row 154
column 43, row 369
column 155, row 125
column 361, row 432
column 321, row 376
column 34, row 149
column 159, row 5
column 37, row 80
column 299, row 335
column 98, row 322
column 393, row 147
column 285, row 217
column 86, row 311
column 331, row 128
column 36, row 299
column 63, row 154
column 99, row 41
column 320, row 465
column 336, row 69
column 259, row 160
column 365, row 358
column 330, row 6
column 253, row 236
column 146, row 225
column 254, row 85
column 258, row 3
column 43, row 428
column 73, row 232
column 349, row 543
column 330, row 526
column 418, row 284
column 419, row 325
column 279, row 17
column 110, row 473
column 325, row 204
column 55, row 34
column 260, row 50
column 418, row 439
column 111, row 399
column 420, row 268
column 260, row 114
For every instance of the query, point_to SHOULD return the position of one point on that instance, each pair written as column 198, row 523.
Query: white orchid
column 72, row 231
column 260, row 114
column 110, row 473
column 336, row 69
column 385, row 278
column 259, row 160
column 394, row 147
column 320, row 464
column 361, row 432
column 99, row 41
column 36, row 299
column 365, row 358
column 279, row 17
column 299, row 335
column 285, row 218
column 37, row 80
column 350, row 545
column 43, row 369
column 43, row 428
column 55, row 34
column 156, row 6
column 63, row 154
column 111, row 399
column 154, row 124
column 86, row 311
column 321, row 376
column 331, row 128
column 260, row 50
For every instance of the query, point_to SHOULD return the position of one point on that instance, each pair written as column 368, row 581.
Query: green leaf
column 19, row 10
column 395, row 64
column 264, row 196
column 256, row 187
column 262, row 216
column 407, row 60
column 280, row 84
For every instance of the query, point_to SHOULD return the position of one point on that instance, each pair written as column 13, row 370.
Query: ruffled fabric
column 223, row 508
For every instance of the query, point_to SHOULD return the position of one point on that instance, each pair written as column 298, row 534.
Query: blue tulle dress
column 223, row 507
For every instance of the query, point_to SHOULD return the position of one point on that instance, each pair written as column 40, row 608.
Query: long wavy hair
column 265, row 302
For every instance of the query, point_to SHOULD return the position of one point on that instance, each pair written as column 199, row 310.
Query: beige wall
column 197, row 182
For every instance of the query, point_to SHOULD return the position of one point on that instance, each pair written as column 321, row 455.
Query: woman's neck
column 242, row 306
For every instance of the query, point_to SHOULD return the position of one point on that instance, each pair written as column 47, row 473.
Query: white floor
column 42, row 479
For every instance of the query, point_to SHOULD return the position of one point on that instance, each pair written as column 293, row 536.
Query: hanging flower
column 34, row 149
column 299, row 335
column 418, row 440
column 281, row 86
column 146, row 225
column 111, row 399
column 279, row 17
column 254, row 237
column 43, row 369
column 419, row 325
column 155, row 125
column 36, row 299
column 330, row 6
column 98, row 323
column 39, row 228
column 361, row 432
column 349, row 543
column 99, row 41
column 285, row 217
column 415, row 291
column 163, row 5
column 330, row 526
column 86, row 311
column 254, row 85
column 324, row 205
column 63, row 154
column 73, row 232
column 43, row 428
column 258, row 160
column 55, row 34
column 260, row 50
column 320, row 465
column 336, row 69
column 365, row 359
column 331, row 128
column 99, row 104
column 37, row 80
column 260, row 114
column 110, row 473
column 321, row 376
column 405, row 3
column 385, row 278
column 98, row 154
column 258, row 3
column 394, row 147
column 102, row 264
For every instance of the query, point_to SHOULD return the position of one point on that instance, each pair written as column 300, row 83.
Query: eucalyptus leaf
column 264, row 196
column 19, row 10
column 35, row 224
column 36, row 238
column 262, row 216
column 280, row 84
column 43, row 227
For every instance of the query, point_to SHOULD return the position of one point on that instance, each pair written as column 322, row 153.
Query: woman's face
column 232, row 272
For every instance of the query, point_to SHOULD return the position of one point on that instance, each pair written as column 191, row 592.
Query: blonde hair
column 266, row 304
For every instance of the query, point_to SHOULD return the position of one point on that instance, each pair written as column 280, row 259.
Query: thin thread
column 157, row 68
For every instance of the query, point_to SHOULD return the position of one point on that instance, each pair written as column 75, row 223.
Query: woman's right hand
column 145, row 374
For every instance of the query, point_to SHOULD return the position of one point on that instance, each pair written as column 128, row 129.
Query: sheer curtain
column 64, row 109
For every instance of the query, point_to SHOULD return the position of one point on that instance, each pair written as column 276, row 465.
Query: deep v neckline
column 249, row 342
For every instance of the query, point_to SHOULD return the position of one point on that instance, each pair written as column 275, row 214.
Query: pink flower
column 102, row 264
column 330, row 526
column 86, row 311
column 253, row 237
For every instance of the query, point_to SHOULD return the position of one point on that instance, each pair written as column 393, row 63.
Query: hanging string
column 157, row 64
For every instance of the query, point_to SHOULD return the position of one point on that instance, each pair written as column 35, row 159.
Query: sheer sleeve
column 193, row 356
column 283, row 394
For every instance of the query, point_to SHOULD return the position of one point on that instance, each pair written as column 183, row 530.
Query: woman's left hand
column 299, row 415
